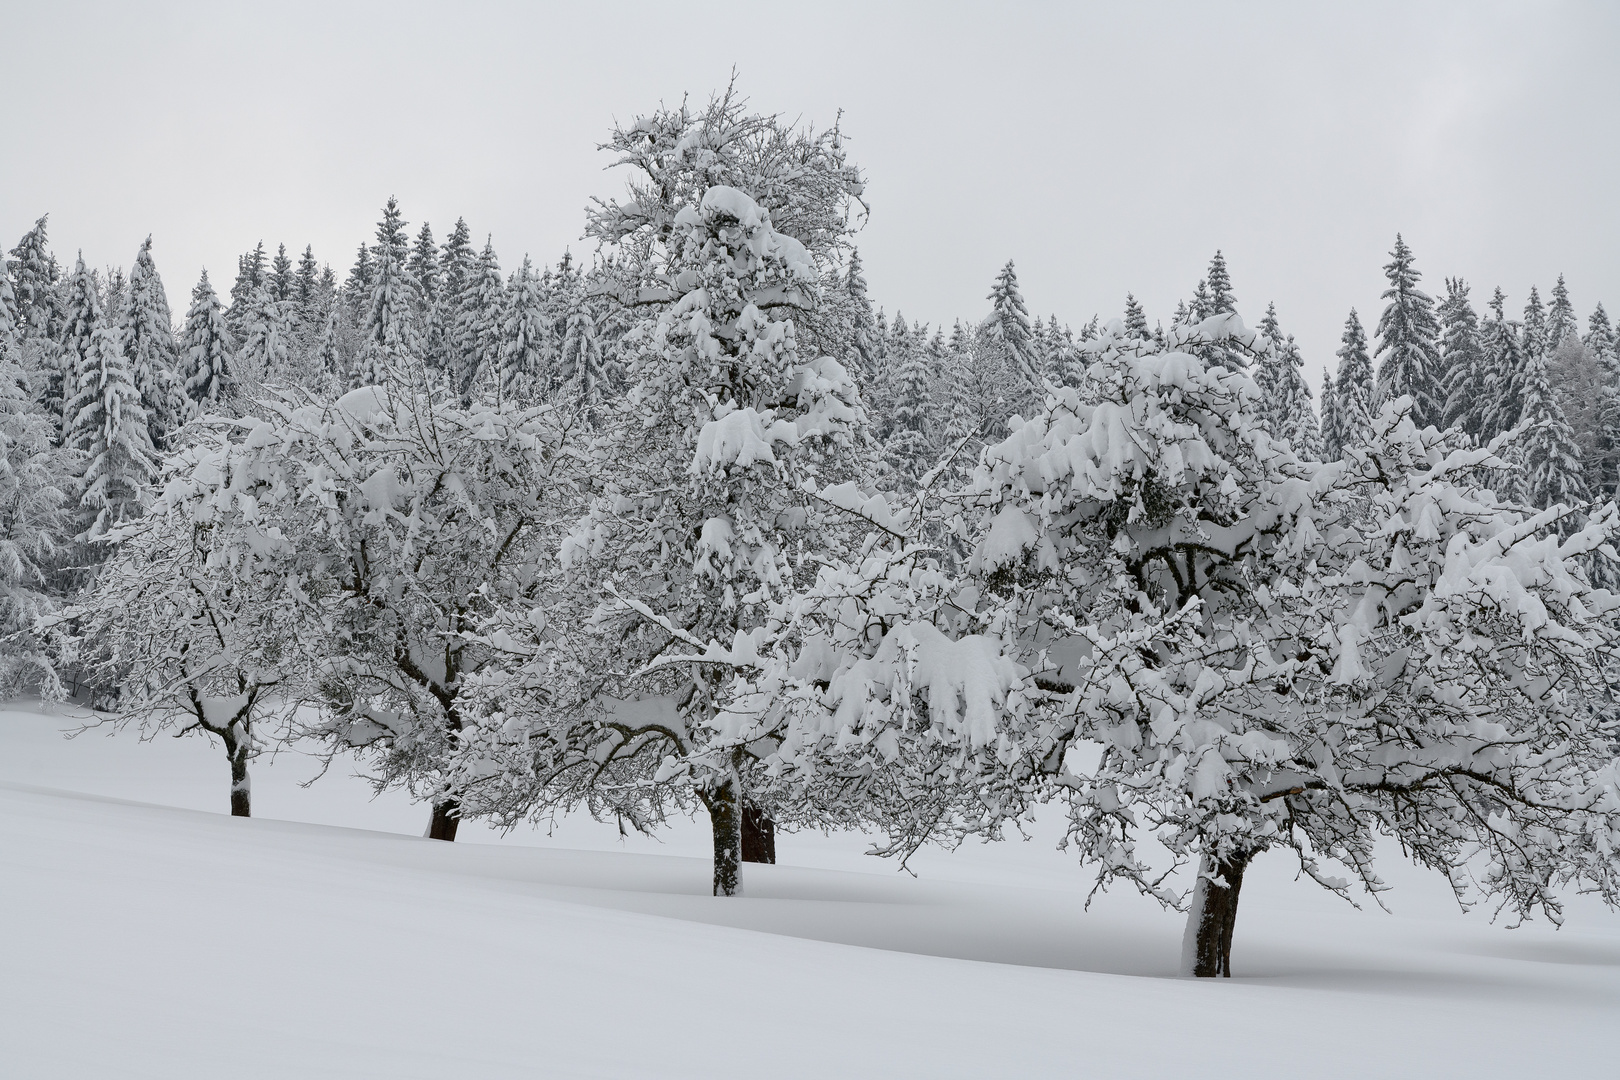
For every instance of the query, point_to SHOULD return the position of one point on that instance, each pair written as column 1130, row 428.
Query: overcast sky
column 1104, row 148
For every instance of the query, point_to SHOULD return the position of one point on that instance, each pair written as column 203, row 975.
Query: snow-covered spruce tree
column 38, row 311
column 1257, row 652
column 457, row 265
column 1600, row 341
column 1354, row 388
column 280, row 279
column 81, row 317
column 1534, row 338
column 1552, row 473
column 1600, row 336
column 582, row 377
column 1408, row 341
column 1332, row 424
column 1561, row 324
column 107, row 423
column 526, row 339
column 863, row 326
column 391, row 331
column 306, row 289
column 207, row 363
column 151, row 351
column 1467, row 385
column 1577, row 376
column 1008, row 329
column 385, row 525
column 266, row 348
column 174, row 630
column 474, row 354
column 424, row 267
column 1507, row 366
column 251, row 273
column 909, row 448
column 708, row 462
column 34, row 522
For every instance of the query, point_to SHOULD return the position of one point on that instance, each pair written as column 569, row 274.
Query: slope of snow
column 150, row 935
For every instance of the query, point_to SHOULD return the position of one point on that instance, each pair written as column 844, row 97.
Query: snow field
column 151, row 935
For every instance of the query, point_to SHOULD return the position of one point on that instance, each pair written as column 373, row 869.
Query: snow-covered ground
column 146, row 934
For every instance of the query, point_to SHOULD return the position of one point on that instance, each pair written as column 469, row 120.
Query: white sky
column 1105, row 147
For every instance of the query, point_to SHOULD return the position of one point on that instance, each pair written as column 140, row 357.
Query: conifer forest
column 685, row 528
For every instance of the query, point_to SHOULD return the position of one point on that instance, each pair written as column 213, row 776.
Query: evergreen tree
column 328, row 359
column 1135, row 320
column 1354, row 391
column 1561, row 323
column 1467, row 385
column 107, row 423
column 908, row 450
column 1268, row 376
column 1219, row 300
column 1332, row 434
column 266, row 342
column 1600, row 336
column 1407, row 333
column 1506, row 365
column 424, row 266
column 582, row 371
column 475, row 342
column 250, row 274
column 391, row 334
column 1601, row 342
column 359, row 285
column 34, row 276
column 306, row 283
column 81, row 318
column 1551, row 463
column 150, row 351
column 206, row 359
column 525, row 338
column 1535, row 325
column 281, row 275
column 863, row 326
column 1009, row 328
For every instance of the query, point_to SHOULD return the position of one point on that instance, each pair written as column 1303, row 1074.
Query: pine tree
column 391, row 333
column 1535, row 325
column 581, row 369
column 1354, row 390
column 1135, row 321
column 1600, row 336
column 1220, row 299
column 38, row 314
column 525, row 337
column 424, row 266
column 1561, row 323
column 281, row 275
column 306, row 283
column 1407, row 344
column 266, row 342
column 908, row 450
column 1467, row 385
column 1506, row 365
column 250, row 274
column 863, row 326
column 1009, row 328
column 475, row 352
column 328, row 359
column 1551, row 469
column 1600, row 340
column 1332, row 433
column 206, row 352
column 107, row 423
column 81, row 318
column 1269, row 377
column 150, row 350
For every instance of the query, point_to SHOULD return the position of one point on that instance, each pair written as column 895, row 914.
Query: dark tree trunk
column 758, row 834
column 446, row 816
column 727, row 824
column 1212, row 955
column 241, row 790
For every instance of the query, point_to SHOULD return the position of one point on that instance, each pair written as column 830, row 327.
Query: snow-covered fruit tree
column 1239, row 651
column 175, row 633
column 387, row 523
column 700, row 520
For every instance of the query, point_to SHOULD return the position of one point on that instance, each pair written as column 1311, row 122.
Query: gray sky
column 1105, row 147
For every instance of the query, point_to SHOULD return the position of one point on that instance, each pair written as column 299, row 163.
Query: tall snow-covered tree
column 151, row 351
column 1408, row 348
column 1507, row 364
column 306, row 283
column 265, row 350
column 862, row 324
column 82, row 317
column 1135, row 320
column 280, row 280
column 424, row 266
column 909, row 449
column 1551, row 471
column 581, row 368
column 1008, row 327
column 38, row 312
column 107, row 423
column 1332, row 424
column 392, row 330
column 1535, row 326
column 525, row 339
column 1354, row 389
column 1467, row 386
column 475, row 354
column 1561, row 322
column 207, row 353
column 251, row 273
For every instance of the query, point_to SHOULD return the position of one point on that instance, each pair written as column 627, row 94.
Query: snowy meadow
column 608, row 665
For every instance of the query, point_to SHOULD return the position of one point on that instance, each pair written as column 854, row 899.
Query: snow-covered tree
column 582, row 378
column 1135, row 320
column 1467, row 385
column 207, row 363
column 280, row 279
column 391, row 332
column 1507, row 366
column 107, row 423
column 475, row 343
column 424, row 267
column 1008, row 327
column 526, row 339
column 1408, row 349
column 1534, row 337
column 1354, row 389
column 1561, row 324
column 266, row 347
column 82, row 317
column 151, row 351
column 1332, row 424
column 1551, row 471
column 251, row 273
column 909, row 447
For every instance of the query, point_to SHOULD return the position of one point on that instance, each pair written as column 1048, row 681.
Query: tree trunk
column 1207, row 947
column 446, row 816
column 758, row 834
column 727, row 824
column 236, row 751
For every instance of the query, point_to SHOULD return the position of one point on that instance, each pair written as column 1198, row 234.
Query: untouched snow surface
column 149, row 935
